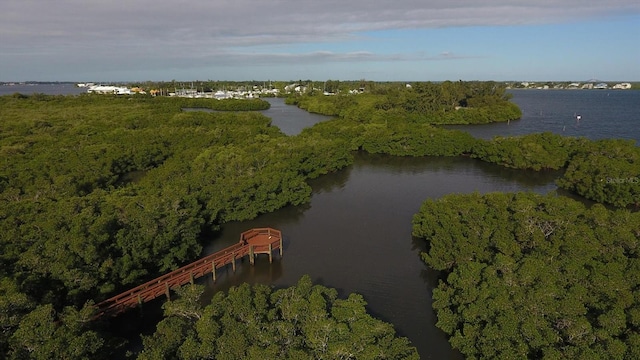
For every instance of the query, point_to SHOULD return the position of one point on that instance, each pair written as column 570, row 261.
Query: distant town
column 244, row 91
column 595, row 84
column 254, row 89
column 236, row 93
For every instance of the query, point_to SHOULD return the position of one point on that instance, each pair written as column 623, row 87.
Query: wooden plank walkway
column 252, row 242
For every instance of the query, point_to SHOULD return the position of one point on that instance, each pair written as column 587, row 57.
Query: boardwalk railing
column 252, row 243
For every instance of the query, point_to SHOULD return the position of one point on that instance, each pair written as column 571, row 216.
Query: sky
column 380, row 40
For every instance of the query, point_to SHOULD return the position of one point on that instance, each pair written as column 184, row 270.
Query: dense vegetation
column 533, row 151
column 48, row 334
column 223, row 105
column 98, row 193
column 529, row 276
column 304, row 321
column 606, row 171
column 425, row 102
column 94, row 196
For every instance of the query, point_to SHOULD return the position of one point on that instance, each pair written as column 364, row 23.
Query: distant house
column 222, row 95
column 190, row 93
column 109, row 89
column 137, row 90
column 622, row 86
column 289, row 88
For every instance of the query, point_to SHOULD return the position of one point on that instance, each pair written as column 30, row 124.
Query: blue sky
column 406, row 40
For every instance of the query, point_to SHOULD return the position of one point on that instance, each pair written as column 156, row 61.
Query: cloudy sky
column 137, row 40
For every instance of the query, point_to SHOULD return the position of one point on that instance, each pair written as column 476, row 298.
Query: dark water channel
column 355, row 235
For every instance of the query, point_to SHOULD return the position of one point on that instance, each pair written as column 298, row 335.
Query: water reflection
column 603, row 115
column 290, row 119
column 355, row 235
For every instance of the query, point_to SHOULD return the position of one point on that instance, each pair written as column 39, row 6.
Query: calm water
column 604, row 114
column 49, row 89
column 290, row 119
column 355, row 234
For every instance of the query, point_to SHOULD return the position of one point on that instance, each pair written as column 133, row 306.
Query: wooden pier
column 252, row 242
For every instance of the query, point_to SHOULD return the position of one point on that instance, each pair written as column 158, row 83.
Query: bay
column 48, row 89
column 604, row 114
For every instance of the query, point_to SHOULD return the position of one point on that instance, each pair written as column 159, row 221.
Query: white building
column 622, row 86
column 108, row 89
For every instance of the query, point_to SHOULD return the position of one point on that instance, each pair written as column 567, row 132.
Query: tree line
column 605, row 171
column 425, row 102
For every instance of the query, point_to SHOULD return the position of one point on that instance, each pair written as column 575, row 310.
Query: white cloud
column 255, row 22
column 193, row 31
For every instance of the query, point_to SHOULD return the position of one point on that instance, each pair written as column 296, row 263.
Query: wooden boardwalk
column 252, row 243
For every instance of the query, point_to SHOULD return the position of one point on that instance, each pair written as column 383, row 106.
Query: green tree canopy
column 424, row 102
column 531, row 276
column 606, row 171
column 47, row 334
column 304, row 321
